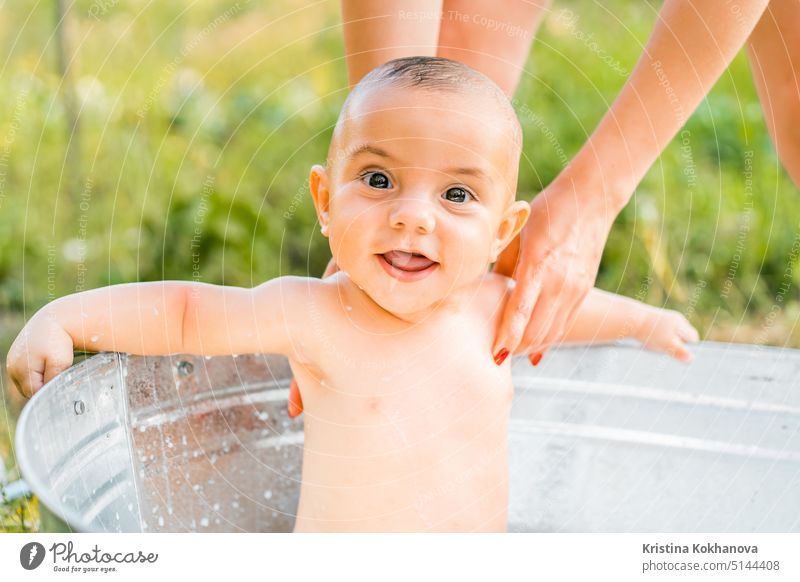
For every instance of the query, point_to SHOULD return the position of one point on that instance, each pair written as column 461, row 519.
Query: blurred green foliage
column 179, row 143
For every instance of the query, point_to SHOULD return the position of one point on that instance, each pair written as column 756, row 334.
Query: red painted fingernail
column 501, row 356
column 536, row 358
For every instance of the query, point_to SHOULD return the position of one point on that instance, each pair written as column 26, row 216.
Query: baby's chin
column 407, row 305
column 408, row 301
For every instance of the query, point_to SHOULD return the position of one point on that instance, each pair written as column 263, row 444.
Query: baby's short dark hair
column 433, row 74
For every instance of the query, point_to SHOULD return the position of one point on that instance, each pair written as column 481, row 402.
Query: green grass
column 197, row 125
column 22, row 514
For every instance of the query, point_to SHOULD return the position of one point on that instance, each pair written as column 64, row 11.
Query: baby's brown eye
column 378, row 180
column 457, row 195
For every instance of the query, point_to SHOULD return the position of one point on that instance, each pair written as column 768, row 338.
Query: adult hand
column 554, row 262
column 559, row 250
column 295, row 399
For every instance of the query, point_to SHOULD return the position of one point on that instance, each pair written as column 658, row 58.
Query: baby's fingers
column 27, row 378
column 55, row 364
column 689, row 334
column 680, row 352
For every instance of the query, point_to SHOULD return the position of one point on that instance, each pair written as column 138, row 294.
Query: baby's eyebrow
column 369, row 149
column 476, row 172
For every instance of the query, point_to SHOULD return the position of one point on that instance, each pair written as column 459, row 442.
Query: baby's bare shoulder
column 289, row 288
column 495, row 288
column 493, row 291
column 325, row 296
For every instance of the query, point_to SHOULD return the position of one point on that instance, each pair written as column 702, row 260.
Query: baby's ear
column 514, row 218
column 318, row 184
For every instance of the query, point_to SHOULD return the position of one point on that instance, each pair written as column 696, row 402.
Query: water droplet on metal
column 185, row 368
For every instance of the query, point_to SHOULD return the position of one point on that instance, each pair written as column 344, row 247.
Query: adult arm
column 774, row 51
column 558, row 253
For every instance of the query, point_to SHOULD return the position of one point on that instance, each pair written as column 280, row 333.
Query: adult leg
column 377, row 31
column 491, row 36
column 774, row 51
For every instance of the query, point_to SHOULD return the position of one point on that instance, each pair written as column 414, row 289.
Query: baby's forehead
column 447, row 103
column 474, row 120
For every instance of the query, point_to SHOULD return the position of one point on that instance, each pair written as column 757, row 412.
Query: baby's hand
column 667, row 331
column 41, row 350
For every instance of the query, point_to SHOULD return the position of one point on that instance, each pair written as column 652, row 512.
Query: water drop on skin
column 348, row 308
column 94, row 338
column 155, row 310
column 268, row 494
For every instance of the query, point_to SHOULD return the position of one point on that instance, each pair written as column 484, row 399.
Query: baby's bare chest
column 404, row 393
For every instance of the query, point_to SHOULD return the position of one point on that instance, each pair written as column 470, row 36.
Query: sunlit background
column 144, row 140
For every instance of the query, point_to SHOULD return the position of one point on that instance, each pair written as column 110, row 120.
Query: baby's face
column 420, row 196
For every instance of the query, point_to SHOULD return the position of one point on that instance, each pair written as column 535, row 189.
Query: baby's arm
column 157, row 318
column 604, row 317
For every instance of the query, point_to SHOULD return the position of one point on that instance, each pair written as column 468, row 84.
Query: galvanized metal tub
column 605, row 438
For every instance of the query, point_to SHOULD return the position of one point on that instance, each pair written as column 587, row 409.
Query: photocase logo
column 31, row 555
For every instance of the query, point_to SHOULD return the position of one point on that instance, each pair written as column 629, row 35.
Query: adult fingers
column 516, row 316
column 507, row 261
column 295, row 399
column 330, row 269
column 539, row 324
column 535, row 357
column 295, row 404
column 557, row 315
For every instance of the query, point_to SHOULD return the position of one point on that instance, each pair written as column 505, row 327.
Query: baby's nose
column 413, row 214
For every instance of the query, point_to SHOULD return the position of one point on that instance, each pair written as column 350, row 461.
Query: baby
column 403, row 397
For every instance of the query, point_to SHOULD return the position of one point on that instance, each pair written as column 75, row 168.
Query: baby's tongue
column 408, row 261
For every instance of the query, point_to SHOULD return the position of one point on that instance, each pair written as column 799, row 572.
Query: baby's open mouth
column 407, row 266
column 405, row 261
